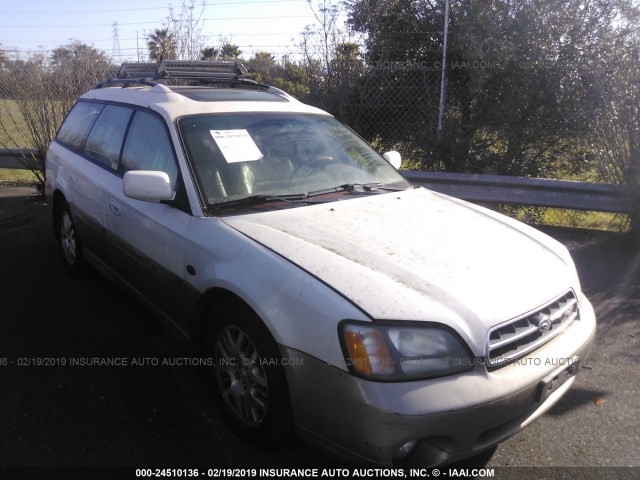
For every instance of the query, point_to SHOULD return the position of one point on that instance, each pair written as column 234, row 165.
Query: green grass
column 17, row 176
column 559, row 217
column 13, row 131
column 611, row 222
column 13, row 134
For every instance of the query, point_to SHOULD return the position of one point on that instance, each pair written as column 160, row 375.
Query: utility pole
column 443, row 78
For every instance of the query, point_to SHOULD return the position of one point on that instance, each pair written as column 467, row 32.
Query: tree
column 320, row 45
column 263, row 60
column 263, row 67
column 285, row 74
column 162, row 45
column 229, row 51
column 38, row 93
column 292, row 78
column 615, row 126
column 516, row 107
column 208, row 53
column 326, row 15
column 78, row 53
column 347, row 69
column 75, row 68
column 516, row 103
column 397, row 93
column 186, row 29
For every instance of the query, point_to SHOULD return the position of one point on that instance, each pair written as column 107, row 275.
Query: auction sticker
column 236, row 145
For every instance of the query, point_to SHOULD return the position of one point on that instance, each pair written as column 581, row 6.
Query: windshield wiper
column 349, row 187
column 258, row 199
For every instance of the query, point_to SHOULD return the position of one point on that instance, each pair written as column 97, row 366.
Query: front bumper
column 449, row 418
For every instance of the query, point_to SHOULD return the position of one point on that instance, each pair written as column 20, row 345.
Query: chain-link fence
column 394, row 105
column 35, row 97
column 397, row 108
column 489, row 125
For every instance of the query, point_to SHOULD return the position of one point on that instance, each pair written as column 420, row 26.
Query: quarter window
column 76, row 126
column 148, row 146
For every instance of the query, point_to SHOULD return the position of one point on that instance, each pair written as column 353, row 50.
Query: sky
column 36, row 25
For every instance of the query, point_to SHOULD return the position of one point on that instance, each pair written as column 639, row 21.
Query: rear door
column 91, row 140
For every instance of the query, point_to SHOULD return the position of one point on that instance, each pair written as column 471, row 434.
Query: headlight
column 396, row 352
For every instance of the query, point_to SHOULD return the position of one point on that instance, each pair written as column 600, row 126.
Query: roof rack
column 200, row 71
column 183, row 69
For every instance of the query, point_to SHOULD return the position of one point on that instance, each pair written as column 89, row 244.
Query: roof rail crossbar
column 201, row 69
column 137, row 70
column 183, row 70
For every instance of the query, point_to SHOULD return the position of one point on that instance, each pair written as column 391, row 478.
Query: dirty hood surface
column 418, row 255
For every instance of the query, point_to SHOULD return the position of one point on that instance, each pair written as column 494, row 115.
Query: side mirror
column 393, row 158
column 148, row 186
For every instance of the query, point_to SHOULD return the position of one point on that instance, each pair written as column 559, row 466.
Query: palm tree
column 208, row 53
column 162, row 45
column 229, row 51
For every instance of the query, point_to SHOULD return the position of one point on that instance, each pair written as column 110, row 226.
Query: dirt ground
column 59, row 415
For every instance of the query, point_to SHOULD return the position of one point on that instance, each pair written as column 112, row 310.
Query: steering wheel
column 318, row 163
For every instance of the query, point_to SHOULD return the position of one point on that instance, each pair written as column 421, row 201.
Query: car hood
column 419, row 255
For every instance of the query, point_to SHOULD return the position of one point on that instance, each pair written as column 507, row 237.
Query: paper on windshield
column 236, row 145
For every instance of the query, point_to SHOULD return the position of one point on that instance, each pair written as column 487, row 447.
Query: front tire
column 248, row 375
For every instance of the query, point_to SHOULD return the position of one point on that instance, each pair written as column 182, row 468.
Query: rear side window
column 76, row 126
column 105, row 140
column 148, row 146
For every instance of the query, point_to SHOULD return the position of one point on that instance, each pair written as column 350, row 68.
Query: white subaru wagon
column 385, row 322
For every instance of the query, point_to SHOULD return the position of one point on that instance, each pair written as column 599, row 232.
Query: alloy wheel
column 241, row 376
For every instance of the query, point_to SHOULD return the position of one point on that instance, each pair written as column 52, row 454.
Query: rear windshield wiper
column 349, row 187
column 258, row 199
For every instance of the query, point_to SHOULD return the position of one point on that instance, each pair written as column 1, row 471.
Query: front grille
column 513, row 339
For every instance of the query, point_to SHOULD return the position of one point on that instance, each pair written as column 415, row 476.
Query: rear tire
column 69, row 243
column 248, row 375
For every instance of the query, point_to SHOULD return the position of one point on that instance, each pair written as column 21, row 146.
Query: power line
column 221, row 19
column 82, row 12
column 235, row 35
column 122, row 10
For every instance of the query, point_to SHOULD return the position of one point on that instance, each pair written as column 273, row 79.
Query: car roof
column 209, row 94
column 200, row 100
column 178, row 88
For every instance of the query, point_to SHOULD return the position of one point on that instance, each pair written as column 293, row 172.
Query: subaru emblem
column 544, row 324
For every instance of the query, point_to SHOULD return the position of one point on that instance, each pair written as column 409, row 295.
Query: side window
column 105, row 140
column 148, row 146
column 78, row 123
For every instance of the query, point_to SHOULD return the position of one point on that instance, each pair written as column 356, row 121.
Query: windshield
column 241, row 154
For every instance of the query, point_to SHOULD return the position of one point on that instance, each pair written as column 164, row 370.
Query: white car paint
column 418, row 255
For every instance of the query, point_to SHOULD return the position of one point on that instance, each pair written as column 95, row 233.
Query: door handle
column 114, row 207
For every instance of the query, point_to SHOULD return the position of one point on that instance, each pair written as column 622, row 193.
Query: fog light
column 405, row 450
